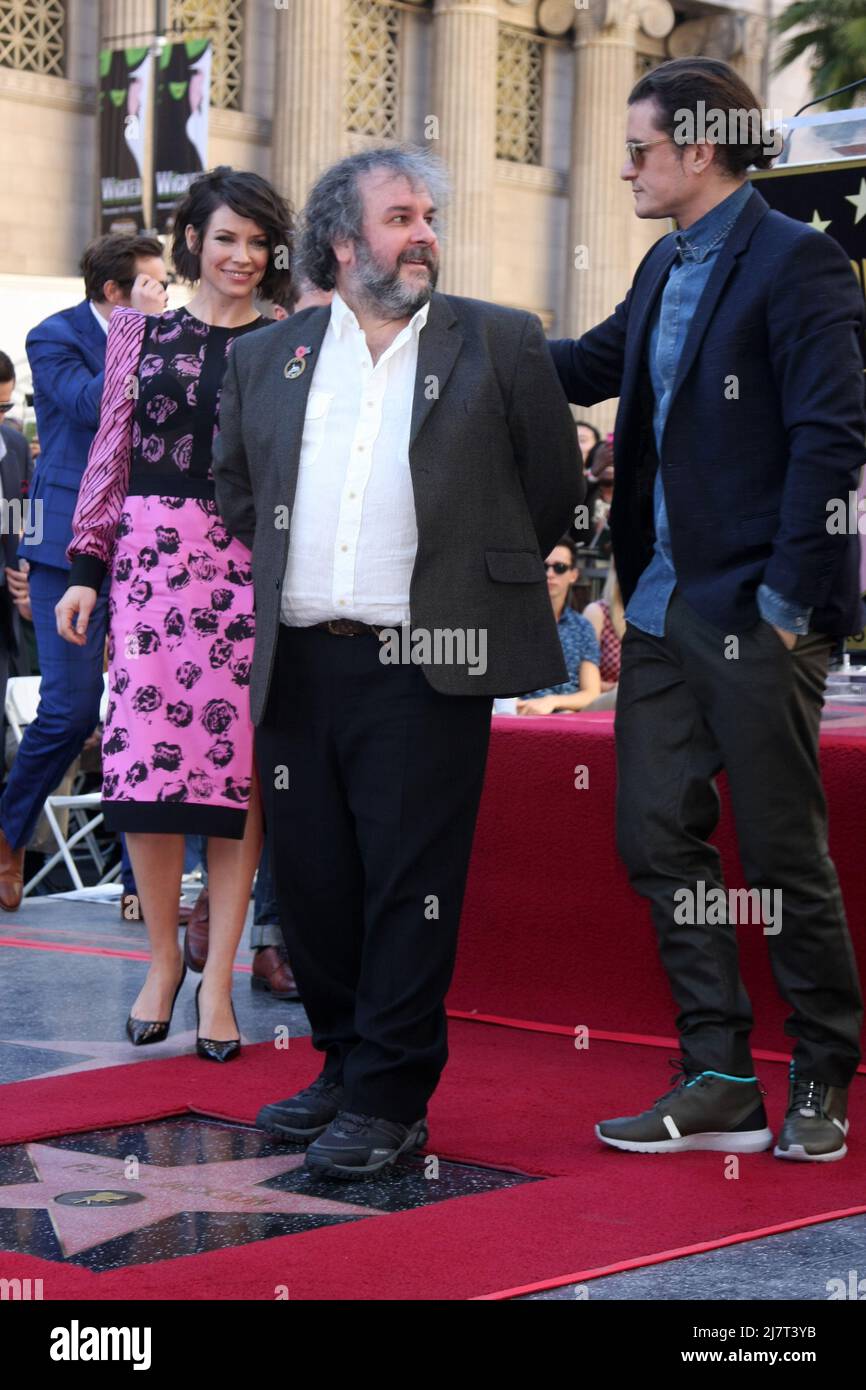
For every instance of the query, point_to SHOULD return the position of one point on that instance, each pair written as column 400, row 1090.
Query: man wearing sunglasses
column 67, row 354
column 736, row 357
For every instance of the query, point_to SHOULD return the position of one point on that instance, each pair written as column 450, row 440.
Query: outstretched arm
column 544, row 439
column 590, row 367
column 106, row 477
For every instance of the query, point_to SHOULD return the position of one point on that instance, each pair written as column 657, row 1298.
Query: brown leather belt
column 348, row 627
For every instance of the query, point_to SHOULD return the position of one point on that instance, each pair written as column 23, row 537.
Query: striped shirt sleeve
column 106, row 477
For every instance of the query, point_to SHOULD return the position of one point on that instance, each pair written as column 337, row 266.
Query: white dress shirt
column 103, row 322
column 353, row 530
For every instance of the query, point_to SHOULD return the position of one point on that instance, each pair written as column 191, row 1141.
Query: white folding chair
column 22, row 701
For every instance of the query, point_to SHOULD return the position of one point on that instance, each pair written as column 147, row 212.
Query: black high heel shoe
column 141, row 1032
column 214, row 1049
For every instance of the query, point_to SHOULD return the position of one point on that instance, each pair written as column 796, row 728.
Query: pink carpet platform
column 552, row 931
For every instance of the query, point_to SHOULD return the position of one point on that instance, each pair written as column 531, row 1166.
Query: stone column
column 464, row 104
column 751, row 63
column 600, row 207
column 308, row 89
column 123, row 23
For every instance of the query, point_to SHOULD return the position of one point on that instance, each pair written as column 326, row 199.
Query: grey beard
column 384, row 291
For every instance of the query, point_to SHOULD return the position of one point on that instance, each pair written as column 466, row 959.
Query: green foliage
column 833, row 35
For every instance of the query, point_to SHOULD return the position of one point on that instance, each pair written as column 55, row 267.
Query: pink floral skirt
column 177, row 751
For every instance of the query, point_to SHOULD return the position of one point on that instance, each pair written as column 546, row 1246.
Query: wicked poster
column 124, row 85
column 182, row 106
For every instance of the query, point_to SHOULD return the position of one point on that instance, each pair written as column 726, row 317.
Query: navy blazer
column 766, row 423
column 67, row 356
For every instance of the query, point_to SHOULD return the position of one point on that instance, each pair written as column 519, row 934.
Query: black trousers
column 690, row 704
column 371, row 842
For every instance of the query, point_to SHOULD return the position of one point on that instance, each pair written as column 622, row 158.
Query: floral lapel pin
column 297, row 364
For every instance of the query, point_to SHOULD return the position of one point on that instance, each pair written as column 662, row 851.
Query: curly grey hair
column 335, row 208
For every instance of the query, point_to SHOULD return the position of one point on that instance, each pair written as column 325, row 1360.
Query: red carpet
column 551, row 929
column 551, row 932
column 509, row 1099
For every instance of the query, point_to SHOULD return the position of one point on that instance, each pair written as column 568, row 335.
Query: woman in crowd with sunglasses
column 177, row 748
column 579, row 642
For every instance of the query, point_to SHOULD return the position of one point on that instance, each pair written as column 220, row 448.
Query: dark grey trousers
column 689, row 704
column 371, row 834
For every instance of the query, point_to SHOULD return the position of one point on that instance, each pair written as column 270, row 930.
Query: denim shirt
column 698, row 248
column 579, row 643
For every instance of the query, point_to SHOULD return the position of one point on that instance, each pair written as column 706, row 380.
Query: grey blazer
column 494, row 463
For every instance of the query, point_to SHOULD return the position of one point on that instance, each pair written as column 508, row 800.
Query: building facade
column 523, row 99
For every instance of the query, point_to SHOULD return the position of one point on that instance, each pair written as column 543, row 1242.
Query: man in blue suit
column 67, row 356
column 737, row 358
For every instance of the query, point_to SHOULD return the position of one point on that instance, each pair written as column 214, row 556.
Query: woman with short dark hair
column 177, row 748
column 577, row 637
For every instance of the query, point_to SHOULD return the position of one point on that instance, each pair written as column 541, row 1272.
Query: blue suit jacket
column 766, row 423
column 67, row 356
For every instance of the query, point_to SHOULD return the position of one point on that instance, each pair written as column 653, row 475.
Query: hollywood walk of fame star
column 108, row 1054
column 818, row 223
column 859, row 201
column 230, row 1186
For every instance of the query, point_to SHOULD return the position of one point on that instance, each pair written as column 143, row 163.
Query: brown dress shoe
column 271, row 971
column 11, row 875
column 195, row 940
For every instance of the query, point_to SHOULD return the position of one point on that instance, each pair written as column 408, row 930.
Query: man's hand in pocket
column 789, row 638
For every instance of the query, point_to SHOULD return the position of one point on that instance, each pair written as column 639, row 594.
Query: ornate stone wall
column 529, row 121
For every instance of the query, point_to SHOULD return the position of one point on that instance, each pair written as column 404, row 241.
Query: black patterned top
column 175, row 422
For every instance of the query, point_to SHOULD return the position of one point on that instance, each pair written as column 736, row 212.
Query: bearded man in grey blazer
column 398, row 462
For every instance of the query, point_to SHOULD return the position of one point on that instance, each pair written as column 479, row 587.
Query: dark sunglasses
column 6, row 405
column 558, row 567
column 636, row 149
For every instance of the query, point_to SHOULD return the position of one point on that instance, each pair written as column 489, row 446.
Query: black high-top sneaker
column 303, row 1116
column 359, row 1146
column 815, row 1125
column 703, row 1110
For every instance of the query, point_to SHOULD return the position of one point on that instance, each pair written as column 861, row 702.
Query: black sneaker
column 359, row 1146
column 703, row 1110
column 815, row 1125
column 305, row 1115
